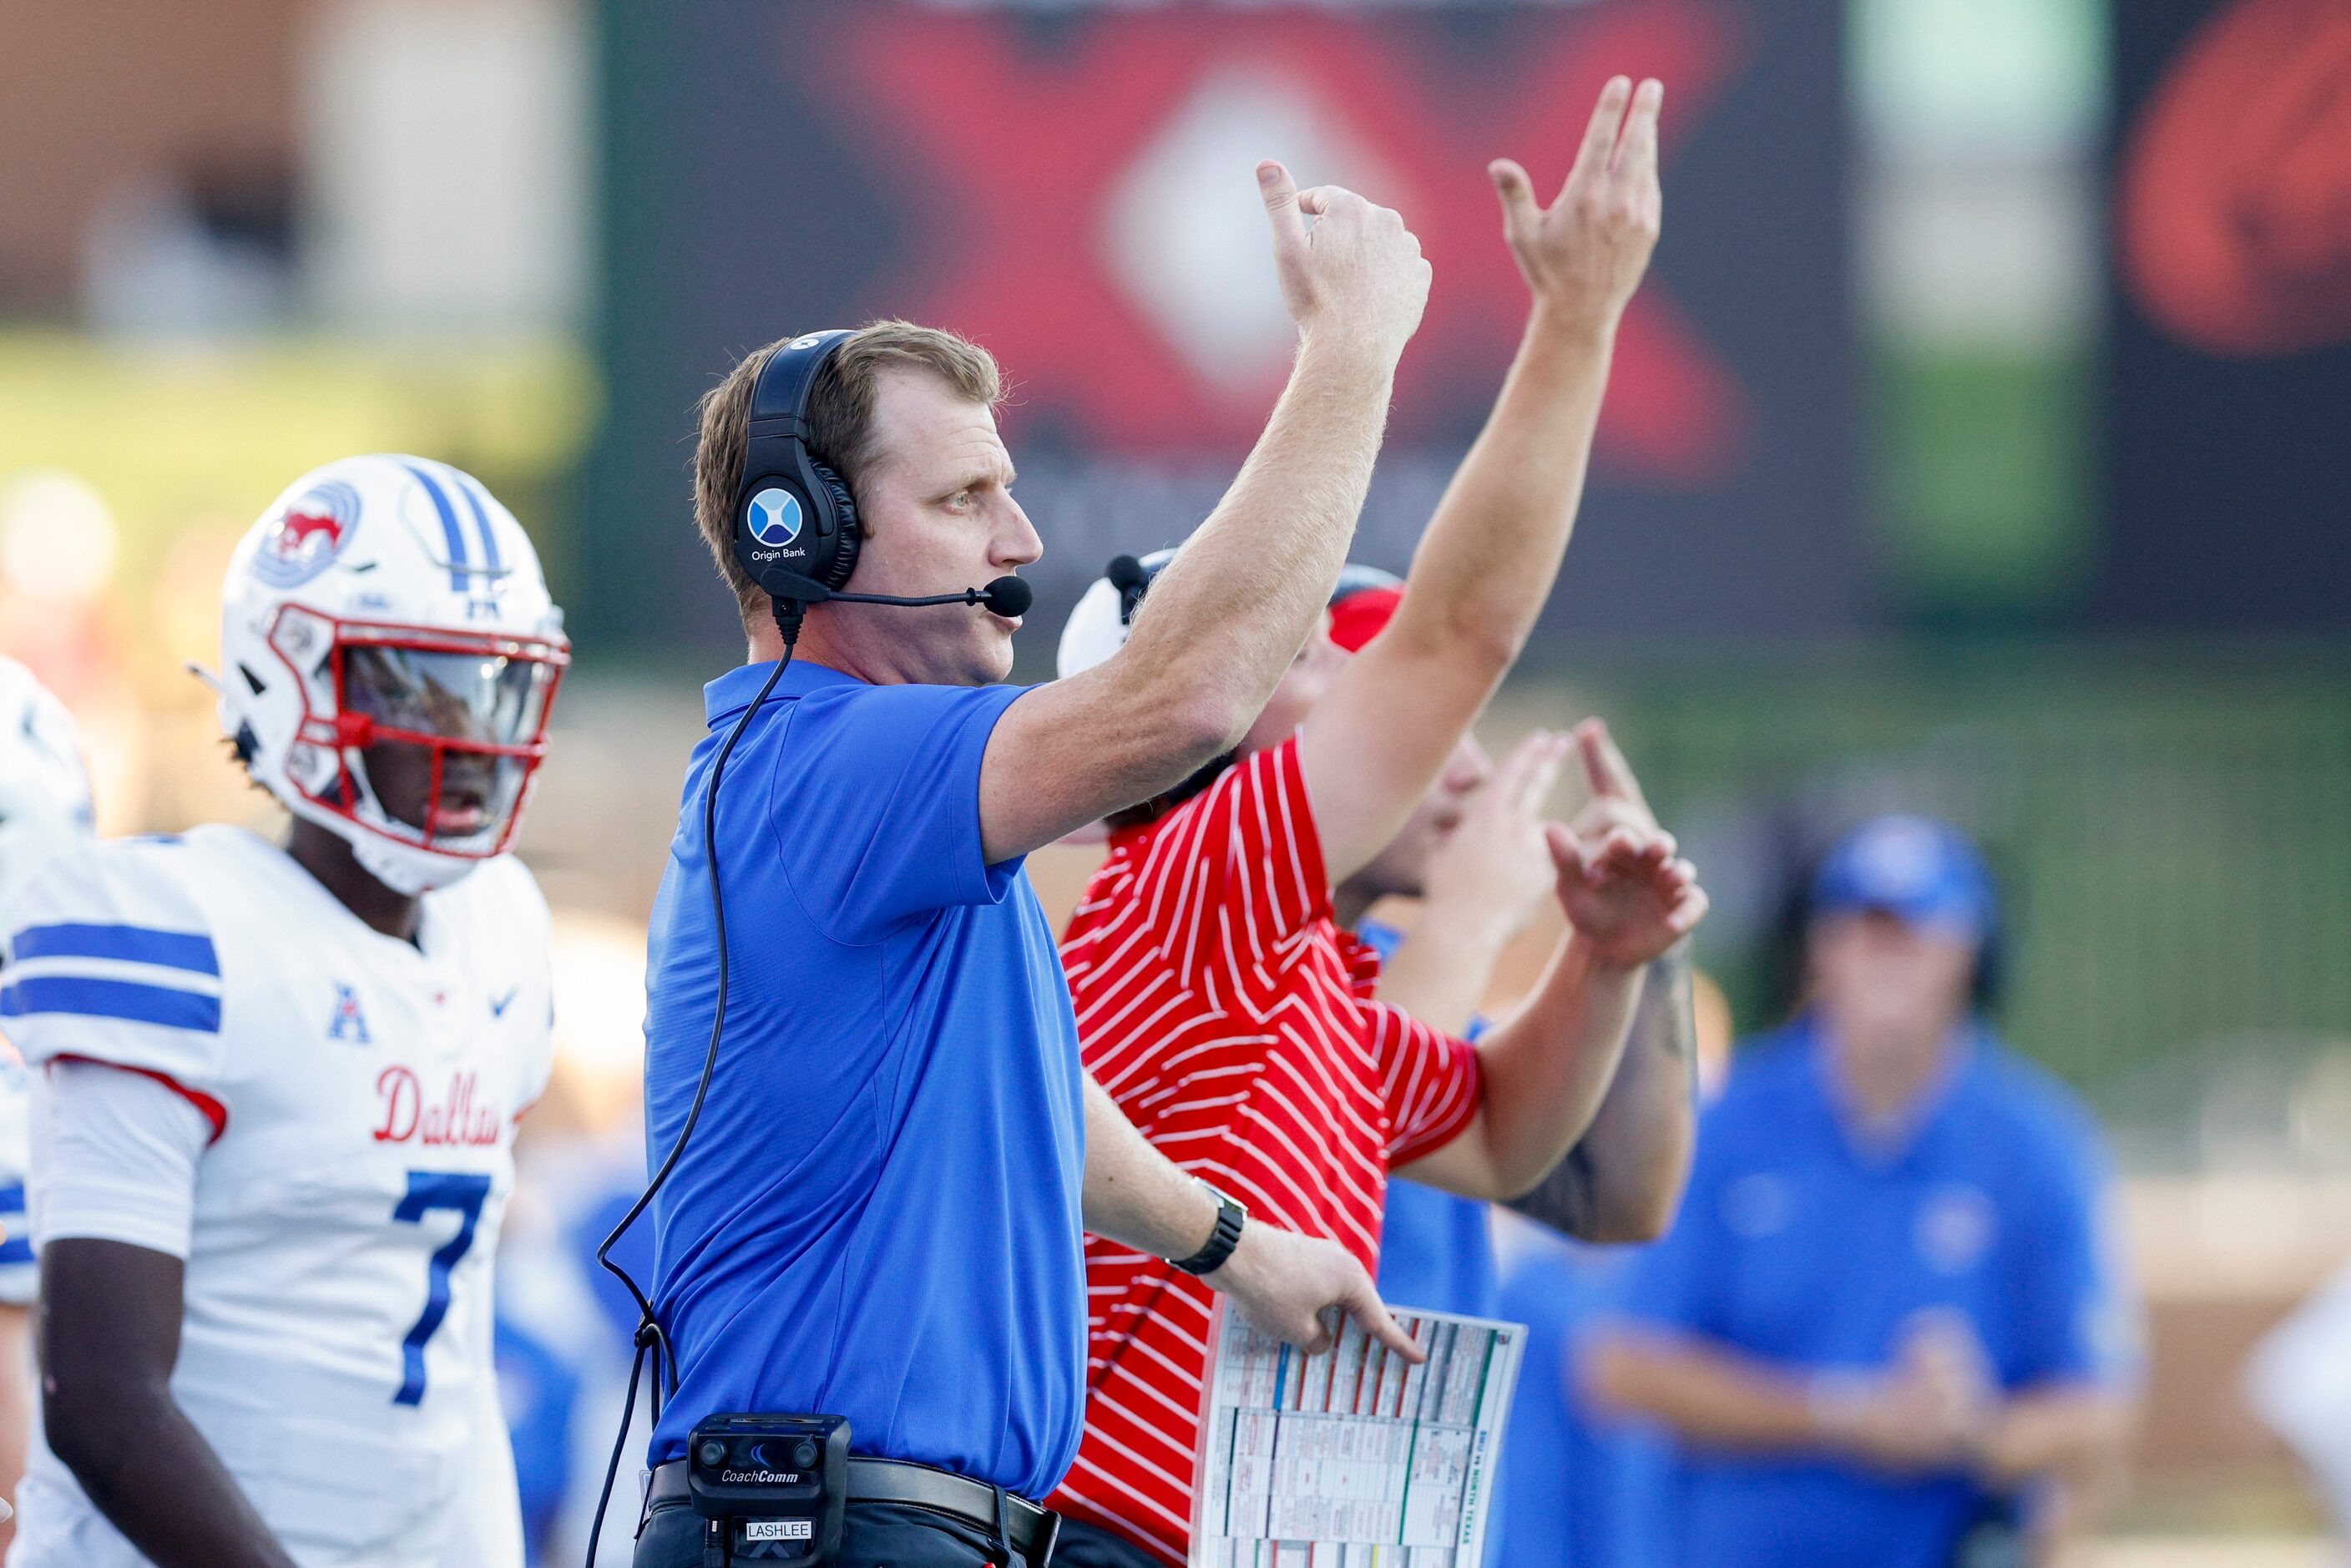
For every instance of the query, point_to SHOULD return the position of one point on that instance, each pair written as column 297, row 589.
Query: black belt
column 1030, row 1529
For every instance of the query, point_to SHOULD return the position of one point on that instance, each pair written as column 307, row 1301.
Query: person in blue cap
column 1888, row 1327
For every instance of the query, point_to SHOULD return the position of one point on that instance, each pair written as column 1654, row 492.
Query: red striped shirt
column 1234, row 1024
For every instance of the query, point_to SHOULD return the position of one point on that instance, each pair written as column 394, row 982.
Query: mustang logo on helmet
column 308, row 535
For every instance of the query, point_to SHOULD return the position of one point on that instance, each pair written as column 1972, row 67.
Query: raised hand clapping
column 1621, row 884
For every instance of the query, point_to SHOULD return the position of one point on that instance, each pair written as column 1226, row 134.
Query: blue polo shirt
column 1799, row 1248
column 878, row 1214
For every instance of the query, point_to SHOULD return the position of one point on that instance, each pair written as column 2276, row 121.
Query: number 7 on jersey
column 429, row 1190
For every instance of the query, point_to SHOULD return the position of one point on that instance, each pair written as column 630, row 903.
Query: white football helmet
column 45, row 804
column 385, row 632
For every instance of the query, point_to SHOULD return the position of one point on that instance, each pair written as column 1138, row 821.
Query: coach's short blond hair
column 840, row 423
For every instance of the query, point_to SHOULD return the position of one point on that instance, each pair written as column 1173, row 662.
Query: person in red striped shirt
column 1218, row 1002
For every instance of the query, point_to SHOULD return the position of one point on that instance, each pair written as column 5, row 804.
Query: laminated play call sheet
column 1352, row 1458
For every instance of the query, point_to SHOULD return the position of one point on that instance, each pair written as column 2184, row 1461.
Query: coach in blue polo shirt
column 878, row 1214
column 1888, row 1328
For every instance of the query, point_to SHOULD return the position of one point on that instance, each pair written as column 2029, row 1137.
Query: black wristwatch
column 1230, row 1218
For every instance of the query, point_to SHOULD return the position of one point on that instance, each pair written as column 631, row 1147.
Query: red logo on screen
column 2236, row 184
column 1061, row 185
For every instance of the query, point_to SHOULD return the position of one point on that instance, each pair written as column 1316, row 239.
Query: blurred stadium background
column 1976, row 447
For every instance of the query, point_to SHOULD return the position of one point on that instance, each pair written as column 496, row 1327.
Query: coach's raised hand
column 1357, row 274
column 1488, row 558
column 1584, row 255
column 1229, row 614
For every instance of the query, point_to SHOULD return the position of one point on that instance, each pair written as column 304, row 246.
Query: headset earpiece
column 795, row 521
column 849, row 534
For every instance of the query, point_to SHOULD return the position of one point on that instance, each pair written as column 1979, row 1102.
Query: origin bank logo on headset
column 774, row 517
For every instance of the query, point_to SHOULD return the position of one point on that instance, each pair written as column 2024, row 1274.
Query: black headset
column 795, row 521
column 796, row 529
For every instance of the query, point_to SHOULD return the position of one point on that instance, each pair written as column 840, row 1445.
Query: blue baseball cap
column 1922, row 871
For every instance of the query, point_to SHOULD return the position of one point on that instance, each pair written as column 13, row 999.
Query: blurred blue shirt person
column 1888, row 1328
column 1599, row 1489
column 1568, row 1492
column 1435, row 1252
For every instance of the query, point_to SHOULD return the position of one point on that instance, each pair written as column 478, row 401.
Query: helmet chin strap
column 410, row 870
column 405, row 869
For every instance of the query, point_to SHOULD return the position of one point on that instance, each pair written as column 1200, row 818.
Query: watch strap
column 1230, row 1218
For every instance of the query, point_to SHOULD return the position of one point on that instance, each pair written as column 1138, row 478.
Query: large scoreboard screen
column 1071, row 185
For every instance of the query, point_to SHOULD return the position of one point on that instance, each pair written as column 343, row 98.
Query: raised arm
column 1231, row 610
column 1623, row 1180
column 1486, row 565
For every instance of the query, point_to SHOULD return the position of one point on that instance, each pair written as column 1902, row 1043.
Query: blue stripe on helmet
column 479, row 500
column 189, row 950
column 459, row 565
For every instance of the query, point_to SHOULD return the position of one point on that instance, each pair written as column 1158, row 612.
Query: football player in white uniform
column 275, row 1085
column 45, row 809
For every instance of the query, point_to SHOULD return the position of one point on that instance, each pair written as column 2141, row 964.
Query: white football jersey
column 336, row 1350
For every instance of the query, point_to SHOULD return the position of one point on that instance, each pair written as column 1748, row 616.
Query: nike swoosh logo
column 499, row 1007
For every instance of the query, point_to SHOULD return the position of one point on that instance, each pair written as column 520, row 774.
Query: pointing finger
column 1567, row 852
column 1605, row 765
column 1636, row 161
column 1281, row 206
column 1591, row 746
column 1363, row 1304
column 1599, row 148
